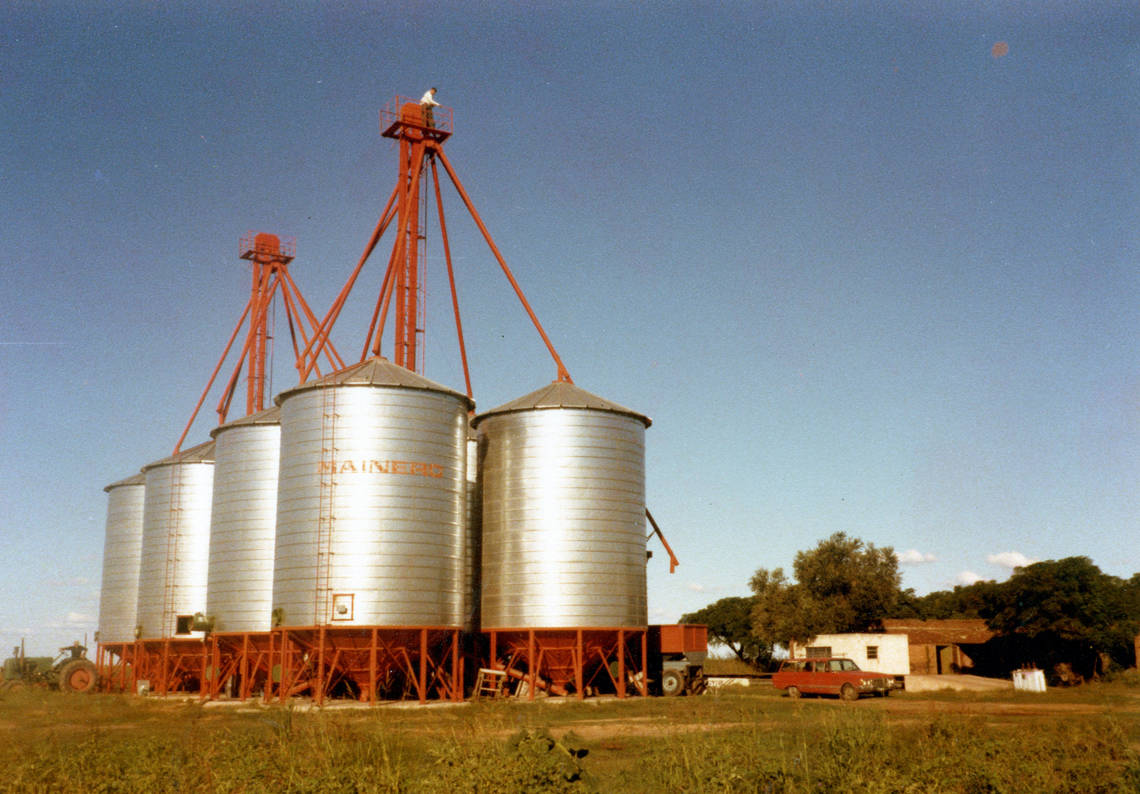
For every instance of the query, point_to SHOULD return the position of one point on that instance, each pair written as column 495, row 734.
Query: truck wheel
column 794, row 692
column 78, row 675
column 672, row 683
column 847, row 692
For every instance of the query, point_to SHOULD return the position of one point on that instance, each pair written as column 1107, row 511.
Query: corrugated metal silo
column 371, row 504
column 175, row 542
column 122, row 549
column 563, row 513
column 243, row 523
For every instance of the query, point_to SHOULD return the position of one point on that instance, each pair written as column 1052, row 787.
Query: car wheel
column 672, row 683
column 847, row 692
column 794, row 692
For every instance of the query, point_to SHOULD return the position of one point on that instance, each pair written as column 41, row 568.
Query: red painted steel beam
column 322, row 335
column 213, row 375
column 269, row 273
column 451, row 279
column 673, row 561
column 563, row 374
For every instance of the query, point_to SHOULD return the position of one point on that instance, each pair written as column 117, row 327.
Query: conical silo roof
column 376, row 371
column 270, row 416
column 561, row 395
column 138, row 479
column 203, row 453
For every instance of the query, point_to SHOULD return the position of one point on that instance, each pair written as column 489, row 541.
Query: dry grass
column 747, row 740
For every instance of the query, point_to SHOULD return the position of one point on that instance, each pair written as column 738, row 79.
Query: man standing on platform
column 427, row 102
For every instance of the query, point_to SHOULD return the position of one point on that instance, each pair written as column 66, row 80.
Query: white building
column 880, row 653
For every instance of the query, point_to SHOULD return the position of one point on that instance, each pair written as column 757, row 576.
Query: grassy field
column 1079, row 740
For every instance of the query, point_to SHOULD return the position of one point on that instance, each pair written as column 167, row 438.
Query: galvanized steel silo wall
column 371, row 504
column 471, row 558
column 176, row 542
column 122, row 549
column 243, row 523
column 563, row 526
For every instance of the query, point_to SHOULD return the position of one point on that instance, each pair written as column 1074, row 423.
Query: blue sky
column 864, row 275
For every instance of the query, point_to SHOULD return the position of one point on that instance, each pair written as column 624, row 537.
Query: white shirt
column 429, row 100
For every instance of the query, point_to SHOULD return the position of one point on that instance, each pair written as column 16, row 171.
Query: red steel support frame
column 573, row 661
column 370, row 663
column 270, row 260
column 238, row 665
column 420, row 143
column 168, row 665
column 116, row 666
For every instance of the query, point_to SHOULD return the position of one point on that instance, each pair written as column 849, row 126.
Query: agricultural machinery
column 676, row 658
column 70, row 671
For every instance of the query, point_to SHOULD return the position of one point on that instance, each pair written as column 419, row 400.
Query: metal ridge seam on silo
column 270, row 416
column 203, row 453
column 137, row 479
column 561, row 395
column 375, row 371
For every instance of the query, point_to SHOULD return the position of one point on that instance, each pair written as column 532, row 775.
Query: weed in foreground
column 859, row 752
column 531, row 760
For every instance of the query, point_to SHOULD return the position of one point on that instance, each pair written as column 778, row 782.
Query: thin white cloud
column 914, row 557
column 696, row 587
column 967, row 578
column 77, row 581
column 78, row 617
column 1009, row 559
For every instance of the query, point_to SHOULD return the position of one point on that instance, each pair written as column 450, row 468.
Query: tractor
column 71, row 671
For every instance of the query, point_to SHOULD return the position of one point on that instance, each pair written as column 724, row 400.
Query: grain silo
column 175, row 543
column 243, row 523
column 371, row 517
column 119, row 594
column 172, row 571
column 563, row 532
column 122, row 548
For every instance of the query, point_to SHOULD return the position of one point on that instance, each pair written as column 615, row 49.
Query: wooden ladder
column 490, row 683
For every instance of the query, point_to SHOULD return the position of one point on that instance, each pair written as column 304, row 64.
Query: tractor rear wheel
column 672, row 683
column 78, row 675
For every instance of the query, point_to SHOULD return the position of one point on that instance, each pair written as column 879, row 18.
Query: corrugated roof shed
column 940, row 632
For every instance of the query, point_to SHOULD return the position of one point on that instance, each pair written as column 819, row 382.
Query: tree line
column 1057, row 615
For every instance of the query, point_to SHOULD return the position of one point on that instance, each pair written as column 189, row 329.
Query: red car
column 840, row 677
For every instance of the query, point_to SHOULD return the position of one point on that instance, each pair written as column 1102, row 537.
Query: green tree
column 1067, row 611
column 964, row 601
column 842, row 585
column 730, row 623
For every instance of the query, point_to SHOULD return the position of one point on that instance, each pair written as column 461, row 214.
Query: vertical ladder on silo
column 326, row 507
column 170, row 564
